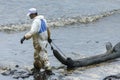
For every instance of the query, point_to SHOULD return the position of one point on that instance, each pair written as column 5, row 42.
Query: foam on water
column 14, row 11
column 61, row 22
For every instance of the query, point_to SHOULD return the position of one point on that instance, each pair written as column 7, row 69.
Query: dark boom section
column 112, row 53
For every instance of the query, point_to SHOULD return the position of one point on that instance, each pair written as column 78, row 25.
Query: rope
column 57, row 48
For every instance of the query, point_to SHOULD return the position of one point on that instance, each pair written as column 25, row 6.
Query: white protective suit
column 40, row 35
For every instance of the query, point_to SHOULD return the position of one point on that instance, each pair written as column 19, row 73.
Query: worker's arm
column 48, row 31
column 33, row 30
column 49, row 35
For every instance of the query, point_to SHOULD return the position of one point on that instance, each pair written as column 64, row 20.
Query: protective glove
column 21, row 41
column 49, row 40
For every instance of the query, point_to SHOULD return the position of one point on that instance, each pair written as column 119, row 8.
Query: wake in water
column 60, row 22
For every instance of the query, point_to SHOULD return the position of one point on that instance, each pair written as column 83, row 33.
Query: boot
column 37, row 67
column 48, row 71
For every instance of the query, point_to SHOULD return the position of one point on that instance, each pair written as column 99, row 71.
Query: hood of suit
column 39, row 17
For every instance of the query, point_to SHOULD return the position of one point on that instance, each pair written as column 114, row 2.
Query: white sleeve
column 33, row 30
column 34, row 27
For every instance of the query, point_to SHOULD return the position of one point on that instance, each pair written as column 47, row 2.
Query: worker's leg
column 44, row 57
column 38, row 63
column 46, row 63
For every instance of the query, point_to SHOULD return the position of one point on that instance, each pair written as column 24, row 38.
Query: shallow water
column 75, row 41
column 79, row 28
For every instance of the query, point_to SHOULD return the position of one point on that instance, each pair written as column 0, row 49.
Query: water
column 13, row 11
column 79, row 28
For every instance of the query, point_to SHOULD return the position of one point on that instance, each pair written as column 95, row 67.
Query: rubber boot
column 37, row 66
column 48, row 71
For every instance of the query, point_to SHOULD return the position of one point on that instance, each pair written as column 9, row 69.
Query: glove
column 21, row 41
column 49, row 40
